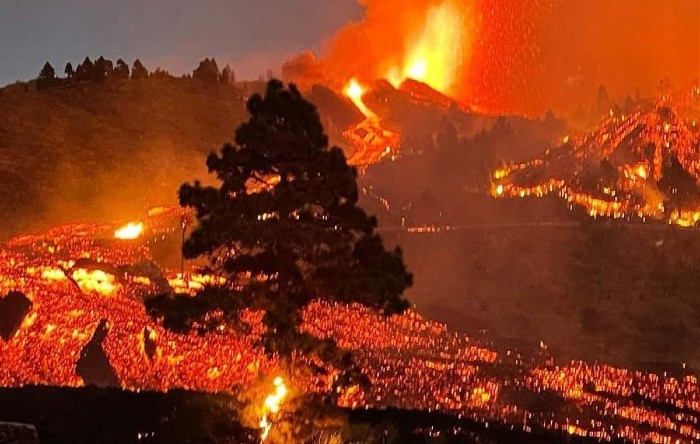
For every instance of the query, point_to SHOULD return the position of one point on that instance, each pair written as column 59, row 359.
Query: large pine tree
column 284, row 227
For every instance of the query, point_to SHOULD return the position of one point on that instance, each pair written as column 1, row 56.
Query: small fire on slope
column 272, row 406
column 130, row 231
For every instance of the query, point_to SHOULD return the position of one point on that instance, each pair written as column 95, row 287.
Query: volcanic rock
column 339, row 110
column 94, row 366
column 13, row 308
column 16, row 433
column 424, row 93
column 149, row 344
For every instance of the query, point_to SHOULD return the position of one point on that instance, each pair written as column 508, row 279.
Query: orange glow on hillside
column 412, row 363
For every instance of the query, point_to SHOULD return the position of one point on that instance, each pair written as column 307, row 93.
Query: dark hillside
column 620, row 294
column 104, row 150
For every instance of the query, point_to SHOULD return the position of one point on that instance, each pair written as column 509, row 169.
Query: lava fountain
column 436, row 54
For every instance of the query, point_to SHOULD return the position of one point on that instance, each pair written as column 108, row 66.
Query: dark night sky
column 251, row 35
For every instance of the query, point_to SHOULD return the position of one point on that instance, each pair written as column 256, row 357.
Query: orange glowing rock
column 95, row 281
column 53, row 274
column 642, row 171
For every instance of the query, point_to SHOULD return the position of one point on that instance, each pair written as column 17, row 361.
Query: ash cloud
column 305, row 70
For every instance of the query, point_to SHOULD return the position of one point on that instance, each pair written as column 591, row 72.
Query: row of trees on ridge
column 102, row 69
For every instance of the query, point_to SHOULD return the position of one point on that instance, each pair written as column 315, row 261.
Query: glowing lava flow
column 372, row 142
column 412, row 363
column 437, row 55
column 272, row 406
column 616, row 170
column 130, row 231
column 354, row 91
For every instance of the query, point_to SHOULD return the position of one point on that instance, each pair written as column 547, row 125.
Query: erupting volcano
column 363, row 242
column 370, row 139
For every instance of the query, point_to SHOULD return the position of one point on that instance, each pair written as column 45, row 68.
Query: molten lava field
column 77, row 276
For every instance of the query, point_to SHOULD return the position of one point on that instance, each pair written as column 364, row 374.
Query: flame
column 354, row 91
column 272, row 405
column 130, row 231
column 437, row 55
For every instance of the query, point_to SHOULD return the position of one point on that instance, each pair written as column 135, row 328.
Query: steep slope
column 96, row 151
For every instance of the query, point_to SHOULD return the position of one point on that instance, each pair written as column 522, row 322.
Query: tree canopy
column 228, row 76
column 284, row 227
column 47, row 72
column 69, row 71
column 47, row 77
column 139, row 71
column 121, row 70
column 207, row 72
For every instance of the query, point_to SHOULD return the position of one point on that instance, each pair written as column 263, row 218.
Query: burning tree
column 284, row 228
